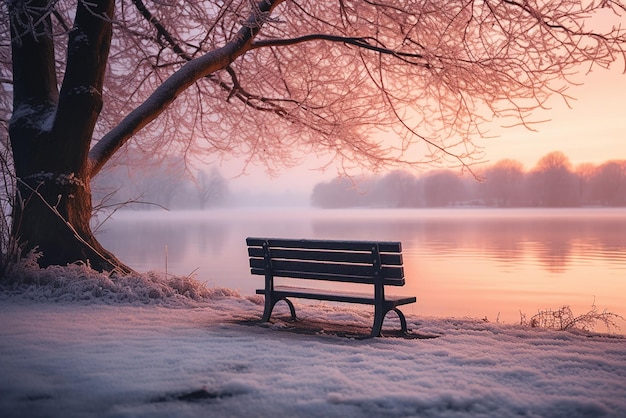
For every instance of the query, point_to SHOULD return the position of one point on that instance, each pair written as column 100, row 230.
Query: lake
column 480, row 263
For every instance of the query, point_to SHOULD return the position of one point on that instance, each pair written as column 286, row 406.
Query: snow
column 68, row 349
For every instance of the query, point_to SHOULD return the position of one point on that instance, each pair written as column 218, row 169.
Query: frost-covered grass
column 68, row 349
column 78, row 282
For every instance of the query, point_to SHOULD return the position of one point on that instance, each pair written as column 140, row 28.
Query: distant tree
column 160, row 184
column 338, row 193
column 442, row 188
column 554, row 161
column 608, row 184
column 503, row 183
column 552, row 183
column 396, row 189
column 266, row 80
column 151, row 184
column 584, row 172
column 212, row 188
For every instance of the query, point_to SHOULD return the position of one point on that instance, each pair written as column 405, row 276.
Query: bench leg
column 292, row 309
column 402, row 320
column 379, row 317
column 269, row 307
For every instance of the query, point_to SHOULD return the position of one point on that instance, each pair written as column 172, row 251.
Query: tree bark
column 51, row 133
column 52, row 216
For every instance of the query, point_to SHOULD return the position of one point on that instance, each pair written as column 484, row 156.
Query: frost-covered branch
column 178, row 82
column 360, row 42
column 162, row 32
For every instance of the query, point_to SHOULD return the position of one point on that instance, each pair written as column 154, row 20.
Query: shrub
column 563, row 319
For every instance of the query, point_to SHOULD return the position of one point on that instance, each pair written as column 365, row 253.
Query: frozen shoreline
column 121, row 360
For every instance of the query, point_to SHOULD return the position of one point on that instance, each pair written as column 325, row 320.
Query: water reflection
column 458, row 262
column 145, row 243
column 553, row 242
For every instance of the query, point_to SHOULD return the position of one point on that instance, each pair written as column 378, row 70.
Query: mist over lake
column 481, row 263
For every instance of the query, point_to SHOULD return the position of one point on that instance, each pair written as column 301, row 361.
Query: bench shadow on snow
column 345, row 330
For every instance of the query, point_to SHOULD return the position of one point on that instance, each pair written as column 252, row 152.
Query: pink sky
column 593, row 130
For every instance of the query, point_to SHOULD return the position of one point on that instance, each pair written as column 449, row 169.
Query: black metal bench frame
column 366, row 262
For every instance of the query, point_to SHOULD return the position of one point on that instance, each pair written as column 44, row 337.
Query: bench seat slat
column 357, row 270
column 332, row 276
column 383, row 246
column 336, row 296
column 331, row 256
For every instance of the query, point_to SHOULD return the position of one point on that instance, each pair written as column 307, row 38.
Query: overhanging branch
column 178, row 82
column 161, row 30
column 360, row 42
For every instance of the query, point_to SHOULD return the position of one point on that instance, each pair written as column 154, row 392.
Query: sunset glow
column 592, row 129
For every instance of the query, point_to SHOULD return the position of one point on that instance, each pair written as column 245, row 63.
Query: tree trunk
column 53, row 209
column 51, row 132
column 52, row 216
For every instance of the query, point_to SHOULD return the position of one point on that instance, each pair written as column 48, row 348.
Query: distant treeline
column 155, row 184
column 553, row 182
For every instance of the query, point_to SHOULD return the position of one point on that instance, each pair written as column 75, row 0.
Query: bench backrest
column 343, row 261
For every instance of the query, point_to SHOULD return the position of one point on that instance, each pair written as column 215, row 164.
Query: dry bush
column 563, row 319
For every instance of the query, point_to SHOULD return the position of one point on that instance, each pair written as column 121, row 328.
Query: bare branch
column 177, row 83
column 161, row 30
column 358, row 42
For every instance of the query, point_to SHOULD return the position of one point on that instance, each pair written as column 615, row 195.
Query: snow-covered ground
column 92, row 355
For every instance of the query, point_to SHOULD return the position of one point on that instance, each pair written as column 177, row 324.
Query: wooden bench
column 366, row 262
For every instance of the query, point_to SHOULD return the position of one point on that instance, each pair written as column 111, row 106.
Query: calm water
column 458, row 262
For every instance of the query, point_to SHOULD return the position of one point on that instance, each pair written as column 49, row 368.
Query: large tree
column 267, row 80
